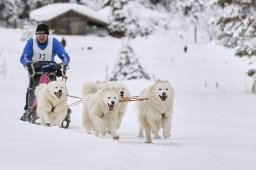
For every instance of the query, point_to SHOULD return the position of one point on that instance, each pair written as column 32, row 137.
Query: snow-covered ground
column 214, row 121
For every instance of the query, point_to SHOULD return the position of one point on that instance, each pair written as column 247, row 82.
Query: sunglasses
column 42, row 35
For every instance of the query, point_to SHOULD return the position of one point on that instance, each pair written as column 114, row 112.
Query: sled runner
column 42, row 72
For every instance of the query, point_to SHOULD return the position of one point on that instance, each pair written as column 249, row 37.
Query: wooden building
column 70, row 19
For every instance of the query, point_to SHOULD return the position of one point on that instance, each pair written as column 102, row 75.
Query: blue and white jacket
column 56, row 48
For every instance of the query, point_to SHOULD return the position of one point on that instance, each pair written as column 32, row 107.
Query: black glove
column 57, row 67
column 58, row 73
column 37, row 65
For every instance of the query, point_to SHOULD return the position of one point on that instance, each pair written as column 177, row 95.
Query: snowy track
column 213, row 127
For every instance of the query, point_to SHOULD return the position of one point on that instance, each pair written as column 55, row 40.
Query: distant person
column 63, row 42
column 39, row 57
column 185, row 49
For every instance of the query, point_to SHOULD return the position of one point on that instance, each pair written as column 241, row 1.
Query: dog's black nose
column 60, row 91
column 112, row 102
column 164, row 94
column 122, row 92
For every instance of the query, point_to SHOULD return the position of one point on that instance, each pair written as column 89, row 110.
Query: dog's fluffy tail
column 39, row 88
column 89, row 88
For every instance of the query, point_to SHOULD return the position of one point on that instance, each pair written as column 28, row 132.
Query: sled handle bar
column 63, row 69
column 33, row 70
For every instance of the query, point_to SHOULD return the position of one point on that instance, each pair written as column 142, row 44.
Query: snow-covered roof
column 51, row 11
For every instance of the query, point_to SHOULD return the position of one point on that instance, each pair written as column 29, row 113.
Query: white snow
column 51, row 11
column 213, row 125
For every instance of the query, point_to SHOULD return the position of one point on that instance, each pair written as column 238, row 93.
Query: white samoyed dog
column 52, row 103
column 100, row 109
column 156, row 112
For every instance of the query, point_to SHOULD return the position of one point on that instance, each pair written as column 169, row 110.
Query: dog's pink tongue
column 163, row 98
column 110, row 107
column 58, row 94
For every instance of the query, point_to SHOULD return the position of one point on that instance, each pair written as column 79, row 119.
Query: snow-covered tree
column 29, row 5
column 160, row 5
column 127, row 66
column 94, row 4
column 39, row 3
column 120, row 14
column 237, row 25
column 189, row 12
column 10, row 11
column 125, row 20
column 28, row 30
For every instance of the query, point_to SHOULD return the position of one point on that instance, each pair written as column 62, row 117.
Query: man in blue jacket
column 41, row 50
column 43, row 47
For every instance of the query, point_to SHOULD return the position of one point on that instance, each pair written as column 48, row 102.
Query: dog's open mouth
column 111, row 107
column 58, row 94
column 163, row 98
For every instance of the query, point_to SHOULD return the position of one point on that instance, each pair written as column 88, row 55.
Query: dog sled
column 42, row 72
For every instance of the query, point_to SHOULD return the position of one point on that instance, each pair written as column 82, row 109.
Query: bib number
column 42, row 57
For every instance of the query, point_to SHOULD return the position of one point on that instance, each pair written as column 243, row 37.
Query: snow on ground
column 213, row 123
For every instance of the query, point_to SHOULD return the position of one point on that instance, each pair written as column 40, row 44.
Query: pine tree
column 29, row 5
column 127, row 66
column 124, row 20
column 120, row 14
column 28, row 30
column 162, row 4
column 34, row 4
column 10, row 11
column 237, row 25
column 190, row 10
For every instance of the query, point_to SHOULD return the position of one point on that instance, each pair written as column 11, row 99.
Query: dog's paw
column 157, row 137
column 148, row 141
column 140, row 135
column 97, row 133
column 103, row 133
column 116, row 137
column 166, row 135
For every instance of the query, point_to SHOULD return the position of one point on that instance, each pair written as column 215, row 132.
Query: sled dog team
column 102, row 110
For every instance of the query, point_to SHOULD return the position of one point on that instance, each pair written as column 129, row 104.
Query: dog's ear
column 98, row 81
column 166, row 81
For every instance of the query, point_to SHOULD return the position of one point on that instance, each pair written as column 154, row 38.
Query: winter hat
column 42, row 29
